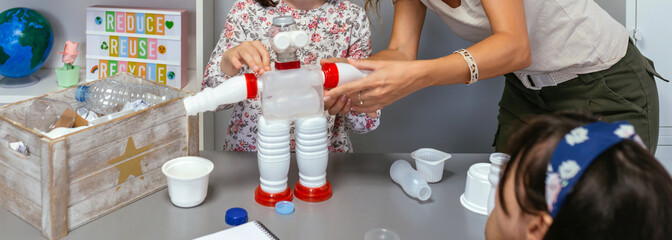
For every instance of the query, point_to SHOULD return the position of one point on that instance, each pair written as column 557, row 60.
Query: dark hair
column 267, row 3
column 624, row 194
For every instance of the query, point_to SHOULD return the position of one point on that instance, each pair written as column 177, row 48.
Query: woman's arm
column 409, row 17
column 506, row 50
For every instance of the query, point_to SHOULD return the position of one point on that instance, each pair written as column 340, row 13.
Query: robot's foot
column 317, row 194
column 269, row 199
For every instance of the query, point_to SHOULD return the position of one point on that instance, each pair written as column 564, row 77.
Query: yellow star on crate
column 132, row 165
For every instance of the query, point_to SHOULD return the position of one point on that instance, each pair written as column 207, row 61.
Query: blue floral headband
column 575, row 152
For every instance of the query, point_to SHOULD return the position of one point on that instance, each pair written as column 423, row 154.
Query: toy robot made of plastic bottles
column 290, row 92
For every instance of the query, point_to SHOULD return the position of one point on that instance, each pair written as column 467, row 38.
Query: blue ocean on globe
column 25, row 42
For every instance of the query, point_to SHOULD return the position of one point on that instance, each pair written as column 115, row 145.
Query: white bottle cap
column 282, row 40
column 299, row 38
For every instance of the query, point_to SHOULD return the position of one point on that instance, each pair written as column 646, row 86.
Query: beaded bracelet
column 471, row 62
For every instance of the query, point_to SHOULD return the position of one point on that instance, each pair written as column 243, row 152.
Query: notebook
column 254, row 230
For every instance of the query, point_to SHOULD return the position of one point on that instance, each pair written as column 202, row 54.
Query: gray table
column 364, row 198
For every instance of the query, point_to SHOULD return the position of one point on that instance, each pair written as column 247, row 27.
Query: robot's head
column 286, row 38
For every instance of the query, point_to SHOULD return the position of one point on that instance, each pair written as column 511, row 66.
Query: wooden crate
column 67, row 182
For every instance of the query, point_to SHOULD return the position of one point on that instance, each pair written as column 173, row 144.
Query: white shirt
column 568, row 36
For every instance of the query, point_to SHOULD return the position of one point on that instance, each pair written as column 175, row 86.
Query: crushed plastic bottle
column 105, row 97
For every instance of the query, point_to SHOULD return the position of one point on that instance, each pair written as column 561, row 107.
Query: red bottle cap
column 270, row 199
column 317, row 194
column 252, row 90
column 287, row 65
column 330, row 75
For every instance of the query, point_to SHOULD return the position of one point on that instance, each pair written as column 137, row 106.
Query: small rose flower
column 316, row 37
column 369, row 123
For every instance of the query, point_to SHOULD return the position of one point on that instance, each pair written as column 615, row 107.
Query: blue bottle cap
column 284, row 207
column 81, row 93
column 235, row 216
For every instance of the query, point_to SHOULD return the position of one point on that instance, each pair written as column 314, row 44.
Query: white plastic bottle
column 413, row 184
column 496, row 160
column 109, row 96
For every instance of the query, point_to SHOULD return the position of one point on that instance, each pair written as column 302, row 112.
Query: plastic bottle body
column 107, row 97
column 291, row 94
column 413, row 184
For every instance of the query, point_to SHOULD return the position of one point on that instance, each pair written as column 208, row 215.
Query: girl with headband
column 573, row 177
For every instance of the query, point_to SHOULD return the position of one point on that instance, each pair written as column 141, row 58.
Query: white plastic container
column 496, row 161
column 273, row 151
column 312, row 167
column 295, row 93
column 429, row 163
column 312, row 148
column 477, row 189
column 273, row 158
column 315, row 136
column 273, row 175
column 413, row 184
column 187, row 180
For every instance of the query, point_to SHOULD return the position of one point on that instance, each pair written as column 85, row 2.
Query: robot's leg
column 312, row 156
column 273, row 159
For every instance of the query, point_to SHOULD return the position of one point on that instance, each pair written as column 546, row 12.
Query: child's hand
column 340, row 105
column 333, row 60
column 252, row 53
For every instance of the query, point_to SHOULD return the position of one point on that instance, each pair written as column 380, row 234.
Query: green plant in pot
column 68, row 75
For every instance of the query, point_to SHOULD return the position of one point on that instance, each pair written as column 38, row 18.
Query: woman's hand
column 251, row 53
column 389, row 81
column 341, row 105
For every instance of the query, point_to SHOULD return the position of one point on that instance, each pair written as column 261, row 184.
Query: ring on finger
column 361, row 102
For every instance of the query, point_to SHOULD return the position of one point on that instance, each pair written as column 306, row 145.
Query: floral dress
column 338, row 28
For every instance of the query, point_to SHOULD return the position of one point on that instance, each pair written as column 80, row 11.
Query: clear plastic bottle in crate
column 105, row 97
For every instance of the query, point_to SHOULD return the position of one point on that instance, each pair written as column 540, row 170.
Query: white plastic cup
column 272, row 152
column 311, row 148
column 266, row 139
column 311, row 125
column 413, row 184
column 496, row 161
column 187, row 180
column 273, row 158
column 429, row 163
column 477, row 189
column 312, row 136
column 312, row 167
column 273, row 175
column 267, row 145
column 315, row 154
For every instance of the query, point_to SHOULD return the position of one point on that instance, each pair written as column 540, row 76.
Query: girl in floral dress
column 573, row 177
column 337, row 28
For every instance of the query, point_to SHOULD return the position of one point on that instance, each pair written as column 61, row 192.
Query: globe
column 25, row 42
